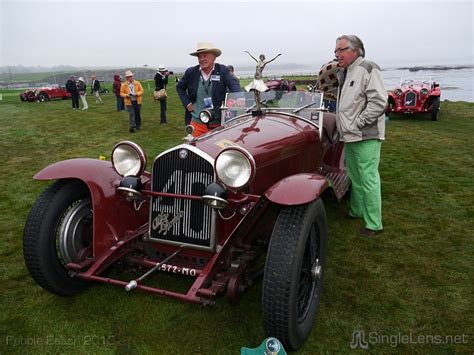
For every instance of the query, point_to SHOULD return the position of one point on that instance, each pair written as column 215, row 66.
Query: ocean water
column 456, row 84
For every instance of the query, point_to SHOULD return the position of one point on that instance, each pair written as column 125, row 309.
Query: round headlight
column 398, row 92
column 234, row 168
column 424, row 91
column 205, row 116
column 128, row 159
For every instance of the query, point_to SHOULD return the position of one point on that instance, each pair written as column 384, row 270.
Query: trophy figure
column 257, row 83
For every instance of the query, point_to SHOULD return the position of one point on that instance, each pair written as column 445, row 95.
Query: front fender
column 112, row 215
column 297, row 189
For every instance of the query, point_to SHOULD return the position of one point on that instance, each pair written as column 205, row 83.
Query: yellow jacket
column 125, row 91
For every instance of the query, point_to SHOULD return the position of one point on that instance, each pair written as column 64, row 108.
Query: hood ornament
column 257, row 84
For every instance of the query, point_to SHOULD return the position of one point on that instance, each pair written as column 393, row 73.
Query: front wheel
column 435, row 109
column 293, row 277
column 58, row 231
column 42, row 96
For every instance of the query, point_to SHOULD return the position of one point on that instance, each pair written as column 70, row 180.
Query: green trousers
column 362, row 163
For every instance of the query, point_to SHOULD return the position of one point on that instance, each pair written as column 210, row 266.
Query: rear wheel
column 58, row 231
column 435, row 109
column 293, row 277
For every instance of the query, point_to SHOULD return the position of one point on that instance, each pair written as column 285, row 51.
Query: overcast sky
column 138, row 33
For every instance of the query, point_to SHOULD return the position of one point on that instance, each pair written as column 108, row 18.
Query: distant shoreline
column 436, row 67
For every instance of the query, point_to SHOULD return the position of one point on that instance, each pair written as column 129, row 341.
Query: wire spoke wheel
column 294, row 271
column 58, row 231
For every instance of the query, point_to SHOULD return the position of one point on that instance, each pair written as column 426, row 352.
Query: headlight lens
column 424, row 91
column 128, row 159
column 205, row 116
column 398, row 92
column 234, row 168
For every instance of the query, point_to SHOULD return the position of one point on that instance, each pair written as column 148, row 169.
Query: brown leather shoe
column 366, row 232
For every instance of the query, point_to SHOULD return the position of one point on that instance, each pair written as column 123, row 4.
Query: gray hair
column 354, row 43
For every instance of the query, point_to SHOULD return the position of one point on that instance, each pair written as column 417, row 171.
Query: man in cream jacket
column 361, row 124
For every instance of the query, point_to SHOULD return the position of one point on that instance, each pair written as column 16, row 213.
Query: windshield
column 301, row 103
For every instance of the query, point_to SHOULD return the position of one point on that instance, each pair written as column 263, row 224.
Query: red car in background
column 45, row 93
column 280, row 84
column 415, row 97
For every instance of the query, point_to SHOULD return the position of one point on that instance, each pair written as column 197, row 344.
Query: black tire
column 294, row 269
column 58, row 231
column 435, row 109
column 42, row 96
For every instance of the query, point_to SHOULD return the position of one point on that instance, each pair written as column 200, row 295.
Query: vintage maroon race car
column 45, row 93
column 280, row 84
column 223, row 209
column 415, row 97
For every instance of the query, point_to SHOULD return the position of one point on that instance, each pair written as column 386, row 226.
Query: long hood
column 260, row 136
column 280, row 144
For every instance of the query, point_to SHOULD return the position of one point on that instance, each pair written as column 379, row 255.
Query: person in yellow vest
column 132, row 92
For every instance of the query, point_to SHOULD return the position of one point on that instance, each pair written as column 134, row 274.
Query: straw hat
column 204, row 47
column 128, row 73
column 161, row 68
column 81, row 78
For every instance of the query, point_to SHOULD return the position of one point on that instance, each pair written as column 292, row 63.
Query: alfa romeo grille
column 410, row 99
column 176, row 220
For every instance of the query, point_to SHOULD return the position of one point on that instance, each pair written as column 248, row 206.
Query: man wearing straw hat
column 132, row 91
column 204, row 86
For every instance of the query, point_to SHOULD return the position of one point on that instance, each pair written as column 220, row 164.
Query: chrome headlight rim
column 205, row 116
column 248, row 158
column 137, row 154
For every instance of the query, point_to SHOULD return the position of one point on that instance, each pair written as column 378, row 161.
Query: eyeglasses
column 339, row 50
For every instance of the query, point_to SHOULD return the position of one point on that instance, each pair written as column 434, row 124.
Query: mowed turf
column 409, row 290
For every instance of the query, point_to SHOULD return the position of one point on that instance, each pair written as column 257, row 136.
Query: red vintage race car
column 243, row 201
column 280, row 84
column 415, row 97
column 45, row 93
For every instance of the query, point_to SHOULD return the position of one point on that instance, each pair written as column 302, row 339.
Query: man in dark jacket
column 204, row 86
column 116, row 87
column 161, row 80
column 71, row 87
column 95, row 89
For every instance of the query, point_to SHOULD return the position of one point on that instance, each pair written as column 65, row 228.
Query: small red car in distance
column 414, row 96
column 45, row 93
column 280, row 84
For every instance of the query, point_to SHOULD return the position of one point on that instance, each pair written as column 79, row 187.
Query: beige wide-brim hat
column 204, row 47
column 81, row 78
column 128, row 73
column 161, row 68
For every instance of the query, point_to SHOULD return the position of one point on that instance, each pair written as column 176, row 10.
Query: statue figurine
column 257, row 83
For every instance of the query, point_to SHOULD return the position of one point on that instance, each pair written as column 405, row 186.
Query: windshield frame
column 305, row 105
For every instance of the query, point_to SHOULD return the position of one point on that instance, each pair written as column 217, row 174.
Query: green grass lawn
column 409, row 290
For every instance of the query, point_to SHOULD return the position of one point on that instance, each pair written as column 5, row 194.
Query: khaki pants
column 98, row 100
column 85, row 106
